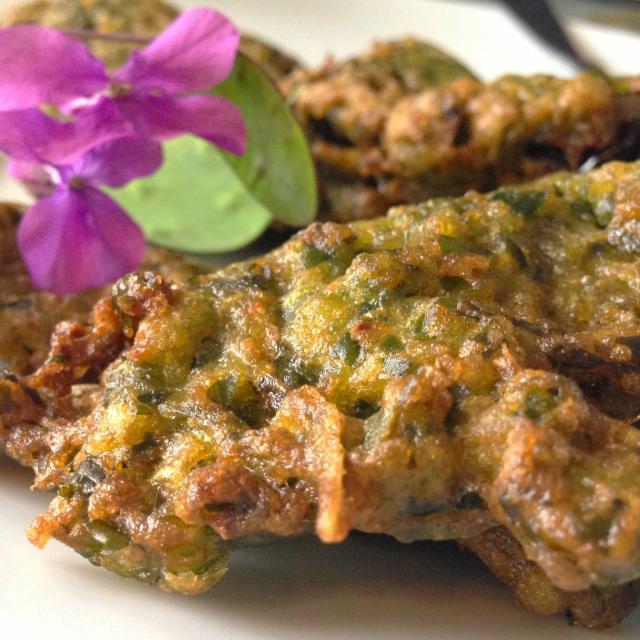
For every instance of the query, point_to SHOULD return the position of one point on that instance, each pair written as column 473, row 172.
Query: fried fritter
column 393, row 376
column 139, row 17
column 271, row 59
column 595, row 607
column 28, row 317
column 385, row 133
column 142, row 17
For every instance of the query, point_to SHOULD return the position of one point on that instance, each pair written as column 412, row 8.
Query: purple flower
column 150, row 96
column 76, row 237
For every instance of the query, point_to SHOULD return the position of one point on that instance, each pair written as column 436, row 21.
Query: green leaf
column 278, row 167
column 195, row 202
column 206, row 200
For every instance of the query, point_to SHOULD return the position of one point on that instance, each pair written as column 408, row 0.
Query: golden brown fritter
column 28, row 317
column 32, row 321
column 137, row 17
column 392, row 376
column 272, row 60
column 594, row 607
column 385, row 133
column 140, row 17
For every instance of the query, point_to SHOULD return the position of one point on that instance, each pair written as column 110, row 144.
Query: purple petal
column 28, row 135
column 32, row 136
column 36, row 177
column 210, row 117
column 118, row 162
column 77, row 240
column 195, row 53
column 44, row 66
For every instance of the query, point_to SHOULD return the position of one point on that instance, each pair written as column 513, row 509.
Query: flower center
column 118, row 89
column 76, row 183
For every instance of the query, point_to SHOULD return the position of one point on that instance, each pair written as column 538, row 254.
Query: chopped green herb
column 347, row 349
column 451, row 244
column 109, row 537
column 523, row 202
column 539, row 402
column 582, row 208
column 392, row 343
column 312, row 256
column 514, row 250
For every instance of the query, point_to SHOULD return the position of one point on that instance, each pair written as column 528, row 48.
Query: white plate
column 367, row 588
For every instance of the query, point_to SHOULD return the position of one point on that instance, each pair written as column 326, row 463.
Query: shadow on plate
column 370, row 587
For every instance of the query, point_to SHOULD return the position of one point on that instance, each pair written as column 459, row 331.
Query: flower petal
column 38, row 178
column 32, row 136
column 76, row 240
column 117, row 162
column 44, row 66
column 210, row 117
column 194, row 53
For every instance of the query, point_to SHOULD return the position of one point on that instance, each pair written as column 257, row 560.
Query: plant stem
column 113, row 37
